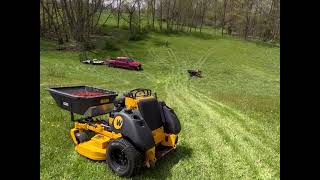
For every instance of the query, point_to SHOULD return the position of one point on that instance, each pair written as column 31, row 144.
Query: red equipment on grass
column 124, row 62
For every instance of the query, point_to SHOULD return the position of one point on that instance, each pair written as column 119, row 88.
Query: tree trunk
column 168, row 14
column 192, row 23
column 225, row 2
column 248, row 19
column 139, row 20
column 172, row 14
column 148, row 12
column 153, row 12
column 204, row 8
column 54, row 25
column 119, row 8
column 44, row 24
column 160, row 15
column 130, row 23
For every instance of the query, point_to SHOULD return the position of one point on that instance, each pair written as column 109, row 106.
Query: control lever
column 106, row 127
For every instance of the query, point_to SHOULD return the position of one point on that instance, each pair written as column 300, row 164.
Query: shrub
column 88, row 45
column 146, row 29
column 111, row 44
column 137, row 36
column 159, row 42
column 106, row 43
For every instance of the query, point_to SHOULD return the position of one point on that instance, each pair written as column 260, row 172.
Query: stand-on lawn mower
column 138, row 131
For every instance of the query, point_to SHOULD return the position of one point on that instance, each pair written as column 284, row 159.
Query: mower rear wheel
column 123, row 158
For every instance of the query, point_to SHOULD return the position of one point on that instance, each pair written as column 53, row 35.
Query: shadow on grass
column 266, row 44
column 163, row 166
column 203, row 35
column 258, row 42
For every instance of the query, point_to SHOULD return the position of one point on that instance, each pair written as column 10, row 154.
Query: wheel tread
column 130, row 149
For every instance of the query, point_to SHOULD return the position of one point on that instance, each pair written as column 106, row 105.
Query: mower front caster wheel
column 123, row 158
column 81, row 137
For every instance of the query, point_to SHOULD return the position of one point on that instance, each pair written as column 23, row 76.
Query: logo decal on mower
column 117, row 122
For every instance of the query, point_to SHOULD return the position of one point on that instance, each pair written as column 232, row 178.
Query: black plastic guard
column 135, row 129
column 170, row 119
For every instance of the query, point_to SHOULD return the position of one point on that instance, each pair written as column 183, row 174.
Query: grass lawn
column 230, row 118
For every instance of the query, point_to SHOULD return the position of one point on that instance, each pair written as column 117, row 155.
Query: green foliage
column 112, row 44
column 125, row 27
column 147, row 28
column 47, row 45
column 160, row 42
column 88, row 45
column 137, row 36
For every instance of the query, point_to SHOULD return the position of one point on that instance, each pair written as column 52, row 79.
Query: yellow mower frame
column 96, row 147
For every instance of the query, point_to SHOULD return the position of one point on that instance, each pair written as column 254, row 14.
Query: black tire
column 110, row 65
column 139, row 68
column 123, row 158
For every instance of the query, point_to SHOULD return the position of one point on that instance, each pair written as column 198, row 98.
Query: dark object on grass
column 196, row 73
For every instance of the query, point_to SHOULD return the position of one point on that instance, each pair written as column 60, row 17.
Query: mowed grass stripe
column 210, row 113
column 188, row 117
column 206, row 142
column 250, row 125
column 219, row 125
column 209, row 142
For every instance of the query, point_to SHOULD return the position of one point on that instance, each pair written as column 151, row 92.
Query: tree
column 248, row 11
column 130, row 8
column 153, row 12
column 160, row 24
column 139, row 14
column 78, row 19
column 225, row 4
column 119, row 12
column 204, row 6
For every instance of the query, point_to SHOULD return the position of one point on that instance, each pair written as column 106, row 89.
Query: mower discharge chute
column 138, row 131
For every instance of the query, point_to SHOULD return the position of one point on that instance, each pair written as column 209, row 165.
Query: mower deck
column 95, row 148
column 91, row 150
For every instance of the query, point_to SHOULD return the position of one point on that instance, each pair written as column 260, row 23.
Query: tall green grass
column 230, row 117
